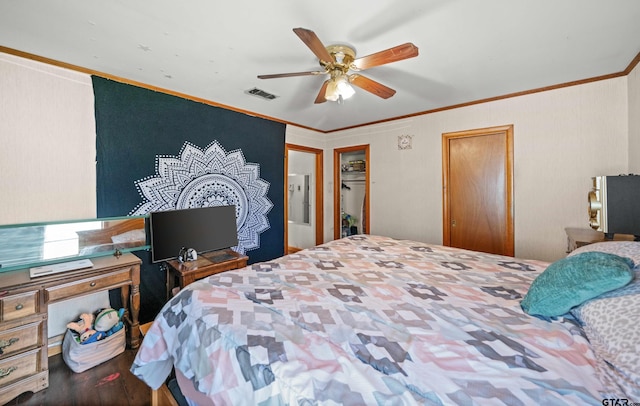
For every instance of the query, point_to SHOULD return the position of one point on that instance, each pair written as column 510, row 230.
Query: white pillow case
column 611, row 323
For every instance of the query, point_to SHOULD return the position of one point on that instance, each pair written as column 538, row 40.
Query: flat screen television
column 204, row 229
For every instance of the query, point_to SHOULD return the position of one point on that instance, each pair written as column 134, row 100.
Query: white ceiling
column 469, row 50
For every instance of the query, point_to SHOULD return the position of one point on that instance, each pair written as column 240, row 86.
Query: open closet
column 351, row 192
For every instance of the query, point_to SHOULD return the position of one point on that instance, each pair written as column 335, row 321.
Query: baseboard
column 54, row 345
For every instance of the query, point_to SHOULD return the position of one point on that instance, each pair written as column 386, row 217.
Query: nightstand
column 207, row 264
column 578, row 237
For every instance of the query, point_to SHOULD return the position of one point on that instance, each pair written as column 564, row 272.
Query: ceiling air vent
column 261, row 93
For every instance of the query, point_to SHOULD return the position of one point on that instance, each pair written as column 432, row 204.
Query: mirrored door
column 303, row 198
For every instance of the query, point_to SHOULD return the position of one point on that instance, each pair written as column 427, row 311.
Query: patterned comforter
column 369, row 320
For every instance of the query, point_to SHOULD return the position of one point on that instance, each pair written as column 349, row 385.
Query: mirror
column 36, row 244
column 299, row 203
column 303, row 227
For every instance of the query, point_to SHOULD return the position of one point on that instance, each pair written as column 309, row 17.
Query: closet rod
column 354, row 180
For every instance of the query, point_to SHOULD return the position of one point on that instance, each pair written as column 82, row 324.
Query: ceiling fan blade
column 313, row 42
column 321, row 94
column 394, row 54
column 287, row 75
column 371, row 86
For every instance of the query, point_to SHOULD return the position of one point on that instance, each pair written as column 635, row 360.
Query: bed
column 371, row 320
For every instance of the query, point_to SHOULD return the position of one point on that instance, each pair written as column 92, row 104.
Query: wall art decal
column 209, row 177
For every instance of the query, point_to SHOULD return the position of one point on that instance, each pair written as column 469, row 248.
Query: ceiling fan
column 338, row 61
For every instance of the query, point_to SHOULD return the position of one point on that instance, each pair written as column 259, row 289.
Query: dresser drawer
column 33, row 383
column 19, row 305
column 88, row 285
column 20, row 338
column 19, row 366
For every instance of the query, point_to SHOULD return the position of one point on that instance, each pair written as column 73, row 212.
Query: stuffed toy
column 84, row 327
column 93, row 328
column 119, row 324
column 106, row 319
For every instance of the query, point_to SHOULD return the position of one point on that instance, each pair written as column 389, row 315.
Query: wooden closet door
column 477, row 190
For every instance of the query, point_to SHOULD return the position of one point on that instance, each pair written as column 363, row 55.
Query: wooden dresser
column 23, row 315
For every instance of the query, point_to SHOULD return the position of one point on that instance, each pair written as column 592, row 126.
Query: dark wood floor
column 107, row 384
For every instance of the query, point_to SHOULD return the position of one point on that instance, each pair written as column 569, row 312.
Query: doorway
column 303, row 217
column 351, row 168
column 477, row 178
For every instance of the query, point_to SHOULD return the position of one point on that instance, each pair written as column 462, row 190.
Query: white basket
column 80, row 357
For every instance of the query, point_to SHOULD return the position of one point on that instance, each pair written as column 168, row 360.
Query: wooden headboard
column 103, row 236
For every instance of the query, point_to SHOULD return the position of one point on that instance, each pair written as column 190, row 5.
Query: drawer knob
column 6, row 371
column 92, row 284
column 6, row 343
column 19, row 306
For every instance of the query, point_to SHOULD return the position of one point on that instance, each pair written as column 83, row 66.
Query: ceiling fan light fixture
column 339, row 88
column 344, row 87
column 338, row 60
column 332, row 91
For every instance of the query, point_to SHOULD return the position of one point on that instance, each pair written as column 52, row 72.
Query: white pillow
column 611, row 323
column 629, row 249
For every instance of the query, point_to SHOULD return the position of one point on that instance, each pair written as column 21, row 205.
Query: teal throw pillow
column 574, row 280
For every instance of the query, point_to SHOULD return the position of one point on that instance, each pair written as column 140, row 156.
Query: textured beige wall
column 47, row 156
column 562, row 138
column 47, row 143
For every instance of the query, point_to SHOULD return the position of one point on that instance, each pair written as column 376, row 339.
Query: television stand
column 207, row 264
column 220, row 256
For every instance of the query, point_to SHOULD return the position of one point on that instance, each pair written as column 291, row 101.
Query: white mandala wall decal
column 209, row 177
